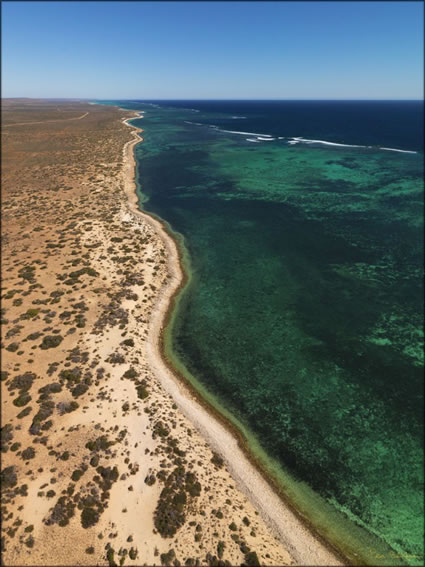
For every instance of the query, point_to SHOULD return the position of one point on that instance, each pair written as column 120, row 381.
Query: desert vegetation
column 96, row 455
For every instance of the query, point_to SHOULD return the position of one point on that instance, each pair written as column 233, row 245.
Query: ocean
column 302, row 222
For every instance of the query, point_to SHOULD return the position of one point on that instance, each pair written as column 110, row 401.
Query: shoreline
column 93, row 403
column 304, row 544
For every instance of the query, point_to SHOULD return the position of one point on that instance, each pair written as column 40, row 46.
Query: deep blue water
column 397, row 124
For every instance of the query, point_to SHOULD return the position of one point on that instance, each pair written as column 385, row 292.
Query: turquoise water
column 304, row 314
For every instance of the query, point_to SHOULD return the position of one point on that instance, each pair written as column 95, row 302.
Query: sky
column 213, row 50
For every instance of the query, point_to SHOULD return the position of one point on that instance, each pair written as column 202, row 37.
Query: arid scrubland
column 99, row 466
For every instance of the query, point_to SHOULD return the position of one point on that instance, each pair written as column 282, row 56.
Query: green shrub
column 94, row 461
column 33, row 336
column 217, row 460
column 22, row 400
column 30, row 314
column 79, row 390
column 76, row 475
column 150, row 479
column 28, row 453
column 24, row 412
column 89, row 517
column 71, row 375
column 29, row 542
column 22, row 382
column 220, row 549
column 100, row 444
column 166, row 558
column 80, row 321
column 8, row 477
column 62, row 511
column 51, row 341
column 131, row 373
column 27, row 273
column 142, row 392
column 251, row 559
column 110, row 557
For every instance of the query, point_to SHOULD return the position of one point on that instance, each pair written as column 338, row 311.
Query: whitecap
column 245, row 133
column 265, row 139
column 252, row 140
column 300, row 139
column 395, row 150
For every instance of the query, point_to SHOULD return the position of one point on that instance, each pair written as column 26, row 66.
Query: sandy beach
column 304, row 547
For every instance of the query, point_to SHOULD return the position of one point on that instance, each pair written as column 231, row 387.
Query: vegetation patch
column 6, row 436
column 30, row 314
column 28, row 454
column 89, row 517
column 27, row 273
column 51, row 341
column 71, row 375
column 217, row 460
column 62, row 512
column 131, row 373
column 102, row 443
column 22, row 400
column 23, row 382
column 8, row 477
column 170, row 513
column 142, row 391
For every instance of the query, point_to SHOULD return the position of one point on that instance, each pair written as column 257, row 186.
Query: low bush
column 28, row 453
column 51, row 341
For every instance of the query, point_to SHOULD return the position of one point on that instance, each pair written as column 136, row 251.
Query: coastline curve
column 305, row 546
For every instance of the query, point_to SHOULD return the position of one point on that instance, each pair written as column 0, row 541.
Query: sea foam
column 402, row 151
column 245, row 133
column 299, row 139
column 195, row 123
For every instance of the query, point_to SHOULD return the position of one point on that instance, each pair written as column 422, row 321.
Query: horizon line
column 211, row 99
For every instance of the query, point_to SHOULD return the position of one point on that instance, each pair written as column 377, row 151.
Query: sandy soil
column 44, row 121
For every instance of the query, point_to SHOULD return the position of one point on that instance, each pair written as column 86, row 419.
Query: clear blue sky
column 149, row 50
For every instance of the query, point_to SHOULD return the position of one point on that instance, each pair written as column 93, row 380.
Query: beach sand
column 94, row 425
